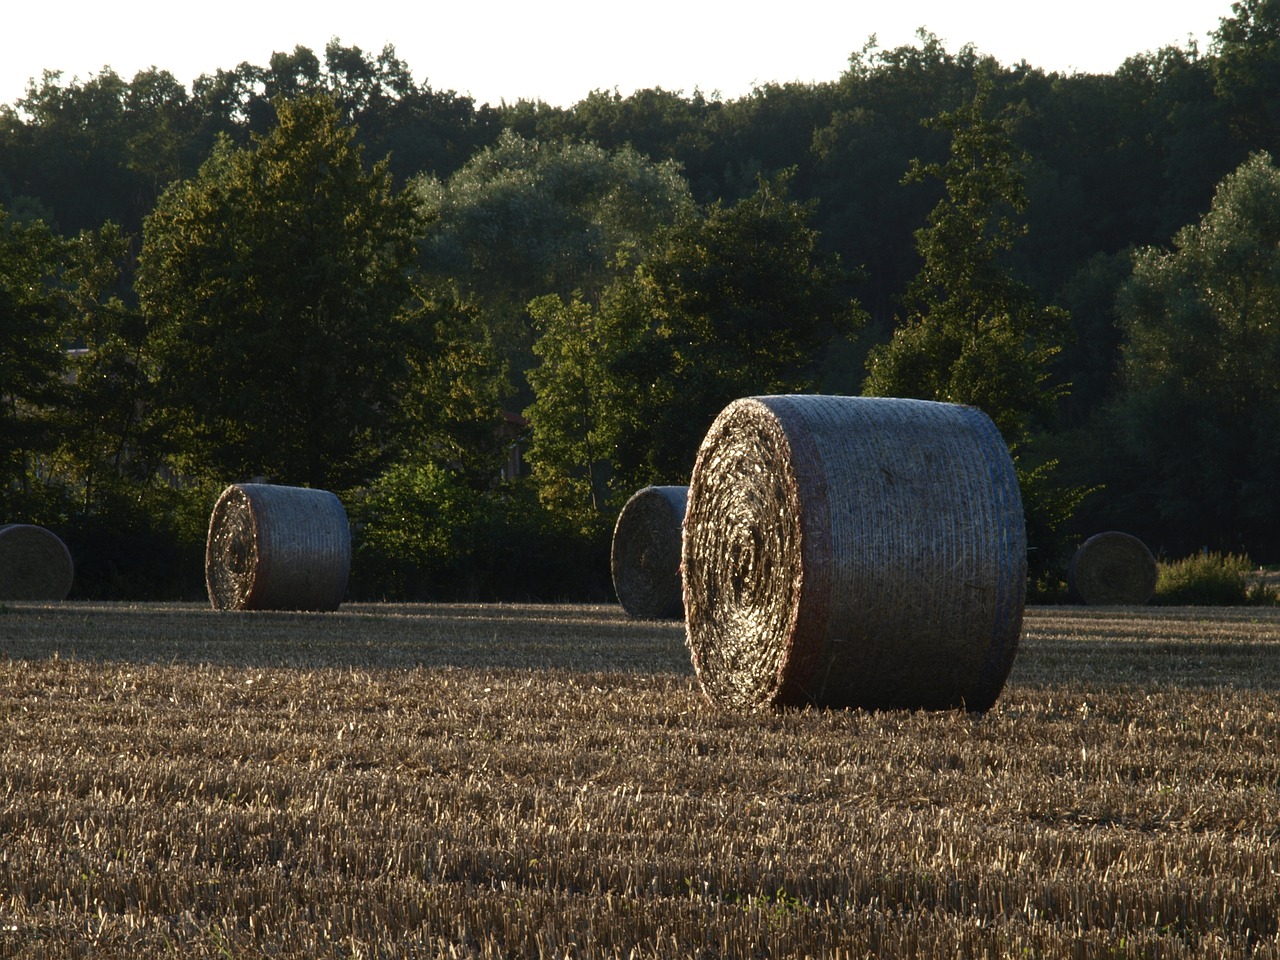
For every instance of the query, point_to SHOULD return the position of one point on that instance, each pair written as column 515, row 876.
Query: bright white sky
column 560, row 50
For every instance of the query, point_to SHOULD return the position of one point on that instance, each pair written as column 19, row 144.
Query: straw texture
column 34, row 564
column 853, row 552
column 277, row 548
column 645, row 556
column 1112, row 569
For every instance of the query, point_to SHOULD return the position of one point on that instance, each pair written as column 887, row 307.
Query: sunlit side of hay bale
column 277, row 548
column 853, row 552
column 34, row 564
column 1112, row 569
column 645, row 555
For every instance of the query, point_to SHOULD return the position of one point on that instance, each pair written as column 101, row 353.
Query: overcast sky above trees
column 561, row 50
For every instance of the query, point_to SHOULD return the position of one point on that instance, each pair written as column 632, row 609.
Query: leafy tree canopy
column 975, row 335
column 1197, row 456
column 733, row 303
column 31, row 350
column 524, row 219
column 276, row 281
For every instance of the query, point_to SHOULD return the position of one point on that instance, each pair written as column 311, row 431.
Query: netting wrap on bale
column 34, row 564
column 1112, row 569
column 277, row 548
column 853, row 552
column 645, row 556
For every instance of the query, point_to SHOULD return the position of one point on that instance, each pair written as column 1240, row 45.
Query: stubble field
column 524, row 781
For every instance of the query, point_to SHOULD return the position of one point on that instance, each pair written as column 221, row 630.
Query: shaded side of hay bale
column 853, row 552
column 34, row 564
column 277, row 548
column 645, row 555
column 1112, row 568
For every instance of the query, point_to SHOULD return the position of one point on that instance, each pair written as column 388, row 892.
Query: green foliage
column 77, row 453
column 524, row 219
column 735, row 303
column 262, row 351
column 32, row 360
column 141, row 542
column 276, row 282
column 1049, row 506
column 1212, row 579
column 976, row 335
column 1247, row 47
column 452, row 404
column 1090, row 360
column 1196, row 456
column 423, row 534
column 579, row 411
column 109, row 441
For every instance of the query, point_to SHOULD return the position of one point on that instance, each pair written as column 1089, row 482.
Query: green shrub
column 1212, row 579
column 422, row 534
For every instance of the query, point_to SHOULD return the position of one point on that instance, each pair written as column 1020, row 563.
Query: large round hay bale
column 645, row 556
column 277, row 548
column 1111, row 569
column 34, row 564
column 853, row 552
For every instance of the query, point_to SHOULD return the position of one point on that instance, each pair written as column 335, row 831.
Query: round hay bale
column 34, row 564
column 645, row 556
column 1111, row 569
column 277, row 548
column 853, row 552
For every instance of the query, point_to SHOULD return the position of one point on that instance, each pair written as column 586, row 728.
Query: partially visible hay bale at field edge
column 34, row 564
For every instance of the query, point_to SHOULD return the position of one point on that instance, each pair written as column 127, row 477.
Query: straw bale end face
column 645, row 554
column 277, row 548
column 34, row 564
column 1113, row 569
column 853, row 552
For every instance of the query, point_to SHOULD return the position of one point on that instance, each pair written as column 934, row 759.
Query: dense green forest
column 486, row 327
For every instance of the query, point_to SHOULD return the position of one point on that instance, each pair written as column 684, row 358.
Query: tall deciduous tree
column 523, row 219
column 579, row 410
column 1197, row 423
column 31, row 354
column 732, row 303
column 276, row 282
column 109, row 450
column 975, row 334
column 1247, row 45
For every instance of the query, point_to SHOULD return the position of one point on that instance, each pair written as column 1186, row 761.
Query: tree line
column 486, row 326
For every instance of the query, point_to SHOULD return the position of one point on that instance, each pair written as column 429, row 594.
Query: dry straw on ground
column 277, row 548
column 851, row 551
column 645, row 556
column 1112, row 569
column 34, row 564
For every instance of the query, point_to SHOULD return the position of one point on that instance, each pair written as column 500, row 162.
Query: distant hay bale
column 853, row 552
column 34, row 564
column 1112, row 569
column 277, row 548
column 645, row 557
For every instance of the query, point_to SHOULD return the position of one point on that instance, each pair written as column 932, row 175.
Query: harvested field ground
column 523, row 781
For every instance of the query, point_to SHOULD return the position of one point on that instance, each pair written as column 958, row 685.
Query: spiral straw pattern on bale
column 853, row 552
column 1113, row 569
column 34, row 564
column 645, row 556
column 277, row 548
